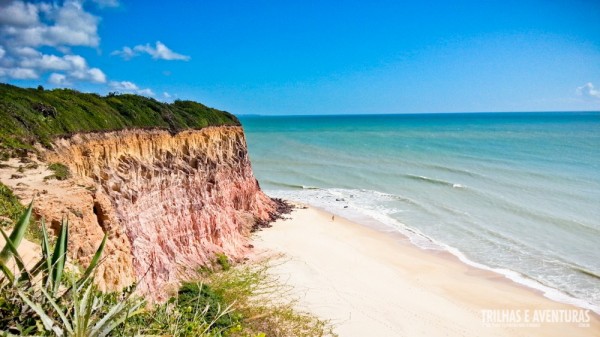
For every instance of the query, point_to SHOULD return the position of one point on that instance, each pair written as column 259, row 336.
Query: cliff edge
column 169, row 197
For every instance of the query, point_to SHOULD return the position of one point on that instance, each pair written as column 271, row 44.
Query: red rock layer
column 178, row 199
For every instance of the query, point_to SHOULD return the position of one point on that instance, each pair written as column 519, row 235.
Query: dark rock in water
column 345, row 206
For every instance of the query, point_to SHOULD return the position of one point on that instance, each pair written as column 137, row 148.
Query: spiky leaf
column 17, row 234
column 17, row 256
column 94, row 262
column 46, row 320
column 59, row 256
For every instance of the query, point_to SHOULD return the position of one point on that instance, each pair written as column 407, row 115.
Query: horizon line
column 418, row 113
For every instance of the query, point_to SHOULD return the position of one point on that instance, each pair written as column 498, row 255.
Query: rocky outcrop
column 169, row 202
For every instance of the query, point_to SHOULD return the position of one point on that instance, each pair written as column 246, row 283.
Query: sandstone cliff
column 169, row 202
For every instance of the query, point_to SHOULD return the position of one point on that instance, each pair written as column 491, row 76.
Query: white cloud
column 130, row 87
column 19, row 73
column 25, row 51
column 46, row 62
column 124, row 85
column 58, row 79
column 45, row 24
column 74, row 66
column 19, row 14
column 126, row 53
column 587, row 90
column 158, row 52
column 146, row 92
column 166, row 95
column 27, row 26
column 89, row 74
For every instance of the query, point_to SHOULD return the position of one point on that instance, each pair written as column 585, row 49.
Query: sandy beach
column 371, row 283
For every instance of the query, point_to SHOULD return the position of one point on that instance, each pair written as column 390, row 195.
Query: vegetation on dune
column 11, row 211
column 61, row 171
column 30, row 115
column 47, row 299
column 10, row 206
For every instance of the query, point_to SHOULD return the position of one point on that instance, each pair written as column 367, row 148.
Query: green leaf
column 7, row 273
column 46, row 257
column 105, row 329
column 46, row 320
column 58, row 310
column 59, row 256
column 94, row 261
column 17, row 234
column 17, row 256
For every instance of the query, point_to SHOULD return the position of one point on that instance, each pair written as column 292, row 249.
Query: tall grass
column 264, row 303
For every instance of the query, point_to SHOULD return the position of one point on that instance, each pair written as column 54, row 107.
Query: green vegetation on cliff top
column 29, row 115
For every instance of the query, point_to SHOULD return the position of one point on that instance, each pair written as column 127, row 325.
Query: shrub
column 61, row 172
column 223, row 262
column 38, row 116
column 195, row 311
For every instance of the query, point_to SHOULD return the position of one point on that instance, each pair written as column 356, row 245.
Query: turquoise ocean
column 516, row 193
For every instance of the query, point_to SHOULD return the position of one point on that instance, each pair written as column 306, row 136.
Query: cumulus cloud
column 18, row 73
column 58, row 79
column 588, row 91
column 25, row 27
column 158, row 52
column 130, row 87
column 48, row 24
column 19, row 14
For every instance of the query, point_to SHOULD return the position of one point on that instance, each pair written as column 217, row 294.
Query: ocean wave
column 452, row 170
column 358, row 205
column 434, row 181
column 431, row 180
column 292, row 186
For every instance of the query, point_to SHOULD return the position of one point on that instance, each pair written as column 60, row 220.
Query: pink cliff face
column 177, row 199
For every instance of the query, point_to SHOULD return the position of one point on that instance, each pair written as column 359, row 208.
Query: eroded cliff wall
column 168, row 202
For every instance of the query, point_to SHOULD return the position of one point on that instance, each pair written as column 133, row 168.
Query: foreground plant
column 243, row 301
column 40, row 300
column 191, row 313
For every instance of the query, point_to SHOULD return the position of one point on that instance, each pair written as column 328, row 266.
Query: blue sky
column 313, row 57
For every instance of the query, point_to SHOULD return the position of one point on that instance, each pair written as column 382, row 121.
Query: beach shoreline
column 369, row 282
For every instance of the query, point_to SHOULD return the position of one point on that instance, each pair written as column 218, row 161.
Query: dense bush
column 31, row 115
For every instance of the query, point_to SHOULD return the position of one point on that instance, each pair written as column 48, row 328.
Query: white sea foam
column 532, row 210
column 365, row 207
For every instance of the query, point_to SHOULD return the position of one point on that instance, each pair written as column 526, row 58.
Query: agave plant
column 51, row 265
column 74, row 308
column 84, row 316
